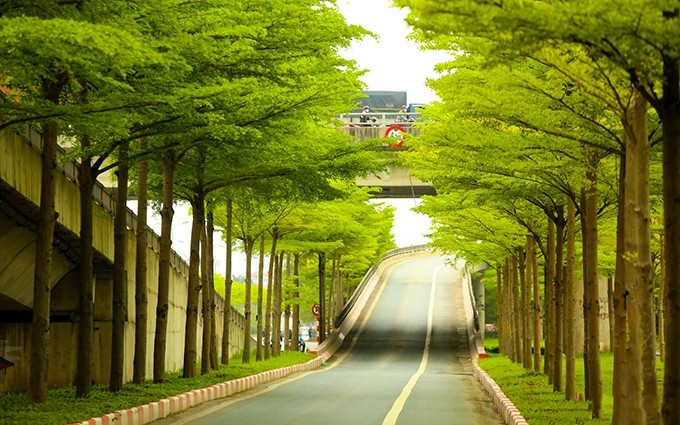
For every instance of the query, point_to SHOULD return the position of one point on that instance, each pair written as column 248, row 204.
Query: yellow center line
column 398, row 406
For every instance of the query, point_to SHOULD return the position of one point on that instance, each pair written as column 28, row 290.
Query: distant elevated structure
column 397, row 181
column 391, row 118
column 382, row 109
column 383, row 101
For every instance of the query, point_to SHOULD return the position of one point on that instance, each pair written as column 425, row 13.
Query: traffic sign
column 396, row 132
column 316, row 310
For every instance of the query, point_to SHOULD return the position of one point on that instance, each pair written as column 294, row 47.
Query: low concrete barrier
column 509, row 413
column 355, row 305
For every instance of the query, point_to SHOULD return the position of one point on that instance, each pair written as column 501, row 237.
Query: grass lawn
column 536, row 400
column 63, row 407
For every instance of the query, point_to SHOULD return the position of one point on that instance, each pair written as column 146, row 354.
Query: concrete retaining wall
column 19, row 180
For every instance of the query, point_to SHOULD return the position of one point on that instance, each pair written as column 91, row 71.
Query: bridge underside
column 18, row 218
column 399, row 192
column 396, row 182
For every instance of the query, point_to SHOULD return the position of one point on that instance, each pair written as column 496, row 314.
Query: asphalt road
column 406, row 362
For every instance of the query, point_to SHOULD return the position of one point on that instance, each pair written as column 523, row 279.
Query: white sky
column 393, row 61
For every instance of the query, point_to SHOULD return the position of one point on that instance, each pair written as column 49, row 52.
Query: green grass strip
column 535, row 398
column 63, row 407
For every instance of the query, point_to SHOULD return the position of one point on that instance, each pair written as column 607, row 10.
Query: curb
column 509, row 413
column 147, row 413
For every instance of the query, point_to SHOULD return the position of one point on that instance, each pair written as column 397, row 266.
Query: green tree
column 529, row 131
column 52, row 49
column 636, row 38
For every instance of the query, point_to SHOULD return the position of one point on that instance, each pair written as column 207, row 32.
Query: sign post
column 316, row 310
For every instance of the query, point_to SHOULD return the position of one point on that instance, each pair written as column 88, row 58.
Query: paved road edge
column 509, row 413
column 335, row 339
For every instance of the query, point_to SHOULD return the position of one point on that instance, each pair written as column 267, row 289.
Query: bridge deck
column 396, row 182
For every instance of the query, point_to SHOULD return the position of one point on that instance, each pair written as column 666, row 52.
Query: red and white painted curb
column 148, row 413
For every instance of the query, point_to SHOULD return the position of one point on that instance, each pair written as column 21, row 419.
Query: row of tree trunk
column 634, row 333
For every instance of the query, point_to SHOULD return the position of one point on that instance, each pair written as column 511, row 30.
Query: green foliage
column 238, row 292
column 525, row 91
column 97, row 48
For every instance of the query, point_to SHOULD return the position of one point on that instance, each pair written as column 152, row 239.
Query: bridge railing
column 367, row 277
column 379, row 119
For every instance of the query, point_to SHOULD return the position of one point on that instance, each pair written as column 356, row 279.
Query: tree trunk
column 296, row 298
column 634, row 413
column 86, row 174
column 288, row 334
column 619, row 384
column 670, row 119
column 276, row 307
column 339, row 301
column 332, row 312
column 47, row 217
column 119, row 300
column 268, row 340
column 86, row 182
column 248, row 246
column 644, row 265
column 537, row 309
column 162, row 308
column 322, row 296
column 507, row 302
column 610, row 310
column 260, row 287
column 226, row 320
column 584, row 311
column 662, row 290
column 570, row 307
column 558, row 336
column 524, row 270
column 206, row 305
column 287, row 329
column 210, row 253
column 517, row 312
column 141, row 297
column 549, row 361
column 592, row 292
column 500, row 315
column 194, row 287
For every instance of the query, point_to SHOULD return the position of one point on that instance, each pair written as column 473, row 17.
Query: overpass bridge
column 396, row 181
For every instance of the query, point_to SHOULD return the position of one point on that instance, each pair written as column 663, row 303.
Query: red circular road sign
column 316, row 309
column 396, row 132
